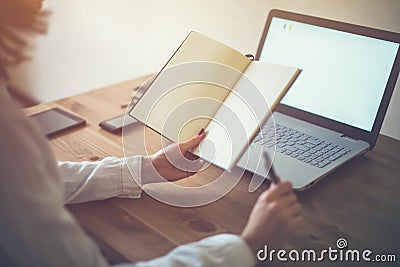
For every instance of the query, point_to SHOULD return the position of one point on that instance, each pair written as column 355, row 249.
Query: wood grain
column 360, row 201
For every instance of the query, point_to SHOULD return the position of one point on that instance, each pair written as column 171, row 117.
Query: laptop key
column 280, row 144
column 297, row 154
column 303, row 137
column 330, row 153
column 314, row 141
column 325, row 156
column 317, row 148
column 323, row 145
column 323, row 163
column 287, row 153
column 301, row 147
column 280, row 149
column 329, row 147
column 334, row 157
column 309, row 145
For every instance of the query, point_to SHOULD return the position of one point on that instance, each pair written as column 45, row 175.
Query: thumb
column 192, row 142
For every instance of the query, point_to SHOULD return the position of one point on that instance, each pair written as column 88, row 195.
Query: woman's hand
column 274, row 217
column 173, row 162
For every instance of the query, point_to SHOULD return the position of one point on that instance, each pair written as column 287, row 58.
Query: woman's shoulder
column 23, row 148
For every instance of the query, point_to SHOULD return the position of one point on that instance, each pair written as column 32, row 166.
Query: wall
column 94, row 43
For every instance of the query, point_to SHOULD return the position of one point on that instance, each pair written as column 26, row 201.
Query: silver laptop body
column 335, row 109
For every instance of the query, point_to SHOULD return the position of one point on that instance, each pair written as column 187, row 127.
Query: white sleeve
column 224, row 250
column 110, row 177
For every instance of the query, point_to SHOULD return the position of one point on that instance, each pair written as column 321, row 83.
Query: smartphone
column 115, row 124
column 55, row 120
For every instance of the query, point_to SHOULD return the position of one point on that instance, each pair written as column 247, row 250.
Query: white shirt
column 36, row 229
column 110, row 177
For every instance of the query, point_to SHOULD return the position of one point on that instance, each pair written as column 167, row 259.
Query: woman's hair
column 18, row 19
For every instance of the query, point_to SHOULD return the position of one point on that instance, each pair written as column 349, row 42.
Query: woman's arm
column 122, row 177
column 110, row 177
column 224, row 250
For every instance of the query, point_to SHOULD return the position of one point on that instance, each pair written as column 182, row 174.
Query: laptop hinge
column 348, row 137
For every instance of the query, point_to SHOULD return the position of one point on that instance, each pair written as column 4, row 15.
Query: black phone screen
column 56, row 120
column 115, row 124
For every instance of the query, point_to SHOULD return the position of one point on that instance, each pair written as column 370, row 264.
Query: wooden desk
column 360, row 201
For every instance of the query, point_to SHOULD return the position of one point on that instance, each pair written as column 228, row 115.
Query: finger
column 292, row 211
column 287, row 200
column 191, row 156
column 278, row 190
column 14, row 38
column 192, row 142
column 195, row 166
column 298, row 216
column 295, row 221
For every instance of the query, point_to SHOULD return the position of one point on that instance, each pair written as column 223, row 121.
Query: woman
column 36, row 229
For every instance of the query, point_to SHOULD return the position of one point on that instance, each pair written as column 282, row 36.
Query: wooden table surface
column 359, row 202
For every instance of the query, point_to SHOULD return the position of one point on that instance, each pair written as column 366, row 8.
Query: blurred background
column 95, row 43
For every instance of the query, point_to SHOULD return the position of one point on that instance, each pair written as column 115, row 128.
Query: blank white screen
column 344, row 75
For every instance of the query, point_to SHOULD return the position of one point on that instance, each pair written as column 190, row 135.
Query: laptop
column 335, row 109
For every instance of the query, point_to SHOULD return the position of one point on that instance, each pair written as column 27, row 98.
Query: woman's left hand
column 173, row 162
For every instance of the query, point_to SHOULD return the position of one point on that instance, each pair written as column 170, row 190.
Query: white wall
column 94, row 43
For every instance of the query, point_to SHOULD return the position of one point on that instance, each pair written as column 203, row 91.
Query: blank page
column 187, row 93
column 244, row 111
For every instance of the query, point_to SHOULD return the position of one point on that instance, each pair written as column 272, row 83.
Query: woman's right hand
column 274, row 217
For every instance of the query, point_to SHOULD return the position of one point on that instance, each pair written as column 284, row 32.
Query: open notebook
column 209, row 85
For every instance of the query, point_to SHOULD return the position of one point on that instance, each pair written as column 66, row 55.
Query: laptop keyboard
column 298, row 145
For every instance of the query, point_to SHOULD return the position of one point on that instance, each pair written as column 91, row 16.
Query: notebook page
column 244, row 111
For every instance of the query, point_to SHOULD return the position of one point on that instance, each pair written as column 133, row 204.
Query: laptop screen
column 344, row 75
